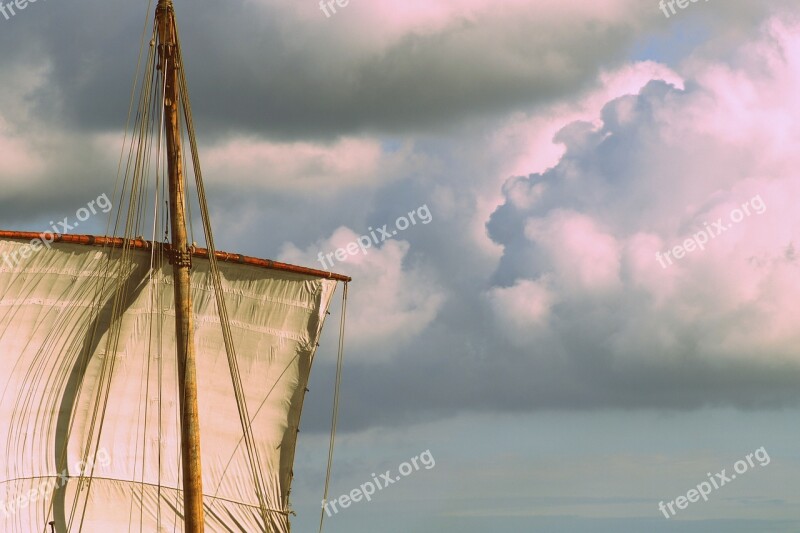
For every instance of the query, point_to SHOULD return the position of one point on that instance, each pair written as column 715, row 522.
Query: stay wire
column 335, row 413
column 241, row 401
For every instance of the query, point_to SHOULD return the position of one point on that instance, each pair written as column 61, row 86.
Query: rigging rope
column 335, row 414
column 136, row 170
column 112, row 296
column 233, row 363
column 120, row 294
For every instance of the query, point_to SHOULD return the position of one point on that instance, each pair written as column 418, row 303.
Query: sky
column 595, row 305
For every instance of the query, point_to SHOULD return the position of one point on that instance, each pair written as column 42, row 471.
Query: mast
column 181, row 259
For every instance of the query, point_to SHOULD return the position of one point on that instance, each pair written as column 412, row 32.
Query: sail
column 90, row 436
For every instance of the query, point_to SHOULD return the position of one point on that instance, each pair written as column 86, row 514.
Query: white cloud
column 390, row 303
column 648, row 173
column 584, row 256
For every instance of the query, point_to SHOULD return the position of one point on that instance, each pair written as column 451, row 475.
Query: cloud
column 382, row 67
column 301, row 167
column 523, row 309
column 20, row 162
column 555, row 165
column 390, row 303
column 657, row 168
column 576, row 313
column 583, row 255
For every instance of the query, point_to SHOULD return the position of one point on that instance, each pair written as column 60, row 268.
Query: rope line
column 86, row 339
column 335, row 413
column 233, row 363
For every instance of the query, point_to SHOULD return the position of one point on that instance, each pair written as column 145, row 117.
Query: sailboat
column 150, row 384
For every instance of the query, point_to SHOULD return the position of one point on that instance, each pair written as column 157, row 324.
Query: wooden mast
column 181, row 259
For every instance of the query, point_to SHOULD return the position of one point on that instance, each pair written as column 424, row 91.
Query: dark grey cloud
column 252, row 70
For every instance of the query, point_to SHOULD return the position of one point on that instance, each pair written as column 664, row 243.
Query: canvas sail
column 65, row 399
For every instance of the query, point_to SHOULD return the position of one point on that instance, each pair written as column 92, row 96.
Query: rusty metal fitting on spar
column 181, row 258
column 141, row 244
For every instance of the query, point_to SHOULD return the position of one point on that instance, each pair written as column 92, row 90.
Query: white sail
column 57, row 304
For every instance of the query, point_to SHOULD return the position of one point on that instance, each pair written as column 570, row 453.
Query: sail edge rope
column 336, row 397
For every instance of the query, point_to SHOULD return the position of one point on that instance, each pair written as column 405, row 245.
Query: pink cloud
column 664, row 165
column 584, row 256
